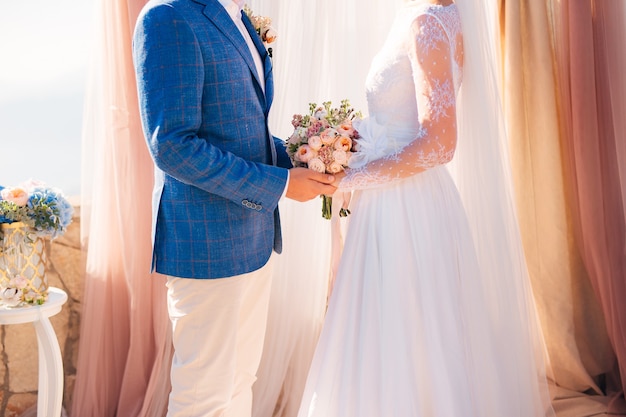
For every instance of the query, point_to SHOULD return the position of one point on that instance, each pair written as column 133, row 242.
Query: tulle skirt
column 407, row 331
column 296, row 312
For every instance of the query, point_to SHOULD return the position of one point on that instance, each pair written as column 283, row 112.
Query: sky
column 45, row 49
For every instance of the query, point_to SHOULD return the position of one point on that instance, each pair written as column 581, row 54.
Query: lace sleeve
column 435, row 96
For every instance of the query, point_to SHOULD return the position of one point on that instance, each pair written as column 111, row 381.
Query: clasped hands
column 306, row 184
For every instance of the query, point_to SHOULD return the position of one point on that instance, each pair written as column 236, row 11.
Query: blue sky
column 45, row 48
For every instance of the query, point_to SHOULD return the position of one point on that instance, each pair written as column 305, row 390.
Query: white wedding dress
column 408, row 331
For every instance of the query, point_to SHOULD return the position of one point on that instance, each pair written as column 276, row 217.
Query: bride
column 431, row 313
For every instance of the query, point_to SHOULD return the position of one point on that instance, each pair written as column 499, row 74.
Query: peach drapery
column 562, row 92
column 590, row 36
column 124, row 348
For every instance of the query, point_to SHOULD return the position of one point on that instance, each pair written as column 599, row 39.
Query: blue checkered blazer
column 219, row 172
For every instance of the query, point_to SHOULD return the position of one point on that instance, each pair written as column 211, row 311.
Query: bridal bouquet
column 323, row 141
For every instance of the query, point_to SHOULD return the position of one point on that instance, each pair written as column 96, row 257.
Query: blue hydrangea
column 47, row 211
column 50, row 210
column 2, row 218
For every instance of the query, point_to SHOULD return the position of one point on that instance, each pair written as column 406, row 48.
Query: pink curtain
column 125, row 346
column 590, row 55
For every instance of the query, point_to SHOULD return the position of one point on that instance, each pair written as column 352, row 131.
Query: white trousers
column 218, row 330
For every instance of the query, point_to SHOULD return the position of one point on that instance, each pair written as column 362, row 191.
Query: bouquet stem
column 327, row 207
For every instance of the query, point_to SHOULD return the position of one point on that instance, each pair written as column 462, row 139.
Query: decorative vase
column 23, row 262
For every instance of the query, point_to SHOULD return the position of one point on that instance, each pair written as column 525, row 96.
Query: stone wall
column 18, row 354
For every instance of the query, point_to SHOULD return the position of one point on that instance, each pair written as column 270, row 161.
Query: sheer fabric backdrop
column 569, row 312
column 124, row 349
column 323, row 53
column 563, row 92
column 589, row 45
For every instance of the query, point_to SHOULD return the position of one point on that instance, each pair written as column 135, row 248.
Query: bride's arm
column 435, row 95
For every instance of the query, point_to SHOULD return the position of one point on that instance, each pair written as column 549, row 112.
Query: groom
column 205, row 90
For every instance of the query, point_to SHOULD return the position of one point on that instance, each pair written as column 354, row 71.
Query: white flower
column 341, row 157
column 328, row 136
column 315, row 142
column 302, row 131
column 263, row 26
column 320, row 113
column 270, row 35
column 334, row 167
column 317, row 165
column 11, row 296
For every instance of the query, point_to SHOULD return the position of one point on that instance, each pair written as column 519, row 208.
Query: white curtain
column 323, row 52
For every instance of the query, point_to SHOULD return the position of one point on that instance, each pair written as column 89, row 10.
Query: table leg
column 50, row 393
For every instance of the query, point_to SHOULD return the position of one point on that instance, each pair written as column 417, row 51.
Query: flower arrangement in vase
column 30, row 214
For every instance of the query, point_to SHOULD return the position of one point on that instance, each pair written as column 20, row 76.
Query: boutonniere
column 263, row 26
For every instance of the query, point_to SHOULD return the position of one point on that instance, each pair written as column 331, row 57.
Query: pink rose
column 315, row 142
column 316, row 164
column 345, row 128
column 343, row 143
column 15, row 195
column 340, row 157
column 305, row 153
column 334, row 167
column 18, row 282
column 32, row 297
column 294, row 139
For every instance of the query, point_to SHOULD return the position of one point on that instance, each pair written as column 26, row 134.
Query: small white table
column 50, row 390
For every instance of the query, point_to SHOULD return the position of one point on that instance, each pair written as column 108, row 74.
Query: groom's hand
column 305, row 184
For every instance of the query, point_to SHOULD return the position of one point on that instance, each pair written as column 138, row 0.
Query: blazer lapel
column 220, row 17
column 265, row 56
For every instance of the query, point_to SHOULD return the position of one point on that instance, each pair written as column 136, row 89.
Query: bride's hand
column 338, row 177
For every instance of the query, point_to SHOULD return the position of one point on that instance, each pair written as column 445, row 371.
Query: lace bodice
column 411, row 93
